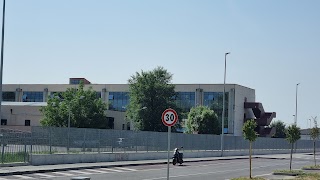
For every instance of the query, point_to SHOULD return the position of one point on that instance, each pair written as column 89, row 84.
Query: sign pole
column 169, row 132
column 169, row 118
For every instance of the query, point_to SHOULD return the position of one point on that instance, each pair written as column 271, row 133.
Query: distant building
column 305, row 134
column 77, row 81
column 22, row 102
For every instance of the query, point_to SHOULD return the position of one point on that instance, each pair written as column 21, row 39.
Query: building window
column 118, row 101
column 110, row 122
column 185, row 100
column 98, row 94
column 32, row 96
column 110, row 97
column 3, row 122
column 214, row 100
column 27, row 122
column 9, row 96
column 75, row 81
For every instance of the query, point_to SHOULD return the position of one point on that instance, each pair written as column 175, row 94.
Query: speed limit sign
column 169, row 117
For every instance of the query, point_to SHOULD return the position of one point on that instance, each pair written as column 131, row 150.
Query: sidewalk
column 28, row 169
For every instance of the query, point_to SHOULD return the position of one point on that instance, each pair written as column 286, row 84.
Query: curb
column 14, row 164
column 270, row 158
column 311, row 169
column 286, row 174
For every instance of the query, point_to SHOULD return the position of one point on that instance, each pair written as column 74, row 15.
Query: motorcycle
column 177, row 157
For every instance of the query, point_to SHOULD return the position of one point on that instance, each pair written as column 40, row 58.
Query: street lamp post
column 2, row 49
column 296, row 115
column 223, row 102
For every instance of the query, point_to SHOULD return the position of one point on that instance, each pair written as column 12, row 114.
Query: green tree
column 251, row 135
column 293, row 134
column 83, row 107
column 203, row 120
column 280, row 129
column 153, row 90
column 314, row 134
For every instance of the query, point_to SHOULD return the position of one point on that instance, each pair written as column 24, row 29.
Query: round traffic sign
column 169, row 117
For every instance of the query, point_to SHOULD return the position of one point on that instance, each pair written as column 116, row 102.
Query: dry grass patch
column 309, row 176
column 317, row 167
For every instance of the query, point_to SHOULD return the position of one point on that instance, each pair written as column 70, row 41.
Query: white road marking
column 215, row 172
column 3, row 178
column 96, row 171
column 216, row 164
column 63, row 173
column 23, row 177
column 111, row 169
column 76, row 171
column 106, row 170
column 196, row 174
column 126, row 169
column 45, row 175
column 263, row 175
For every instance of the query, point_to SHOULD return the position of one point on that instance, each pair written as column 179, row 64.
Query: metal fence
column 17, row 146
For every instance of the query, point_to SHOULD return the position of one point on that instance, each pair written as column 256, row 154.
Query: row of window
column 31, row 96
column 118, row 101
column 185, row 100
column 214, row 100
column 5, row 121
column 75, row 81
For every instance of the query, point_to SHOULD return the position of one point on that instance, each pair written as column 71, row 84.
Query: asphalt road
column 205, row 170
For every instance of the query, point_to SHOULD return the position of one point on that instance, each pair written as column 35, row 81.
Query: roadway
column 204, row 170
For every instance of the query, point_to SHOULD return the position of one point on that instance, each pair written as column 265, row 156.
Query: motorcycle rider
column 179, row 155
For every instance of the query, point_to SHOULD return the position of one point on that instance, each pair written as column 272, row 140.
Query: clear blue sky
column 274, row 45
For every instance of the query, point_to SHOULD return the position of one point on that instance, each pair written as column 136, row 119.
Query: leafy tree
column 153, row 90
column 83, row 107
column 314, row 136
column 280, row 129
column 203, row 120
column 293, row 134
column 250, row 134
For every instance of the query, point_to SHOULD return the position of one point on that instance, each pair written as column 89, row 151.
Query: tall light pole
column 2, row 48
column 296, row 115
column 223, row 101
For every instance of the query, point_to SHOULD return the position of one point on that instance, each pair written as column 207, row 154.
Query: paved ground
column 142, row 168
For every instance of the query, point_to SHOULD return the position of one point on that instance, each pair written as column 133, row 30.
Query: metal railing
column 18, row 146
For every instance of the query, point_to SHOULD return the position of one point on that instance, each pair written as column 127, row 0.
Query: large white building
column 21, row 103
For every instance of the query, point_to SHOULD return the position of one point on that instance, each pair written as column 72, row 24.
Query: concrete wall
column 46, row 159
column 119, row 119
column 16, row 115
column 241, row 93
